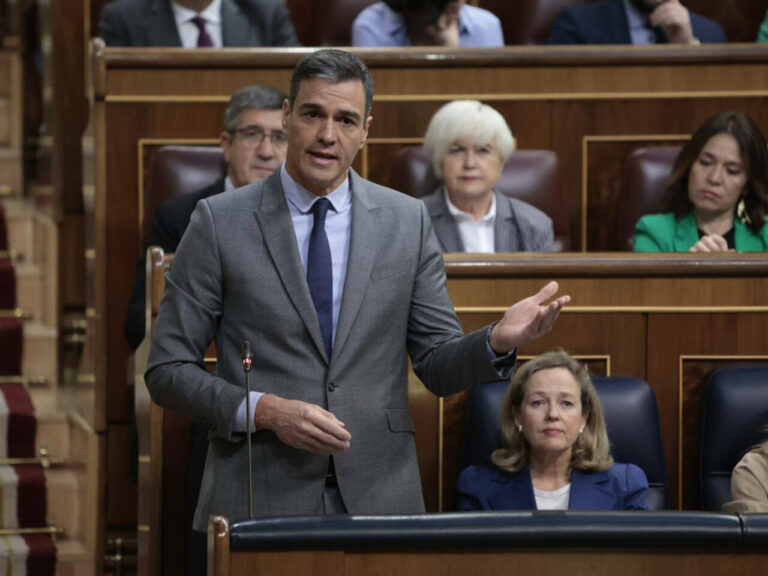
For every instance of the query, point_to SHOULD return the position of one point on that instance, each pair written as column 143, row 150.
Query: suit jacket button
column 331, row 386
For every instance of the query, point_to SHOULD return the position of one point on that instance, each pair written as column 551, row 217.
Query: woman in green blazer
column 716, row 198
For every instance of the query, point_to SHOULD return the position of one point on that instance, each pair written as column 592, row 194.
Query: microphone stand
column 247, row 358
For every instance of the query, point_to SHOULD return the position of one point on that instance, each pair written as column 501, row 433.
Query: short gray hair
column 335, row 66
column 466, row 119
column 256, row 96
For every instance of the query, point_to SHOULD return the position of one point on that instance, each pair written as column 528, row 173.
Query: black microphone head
column 246, row 349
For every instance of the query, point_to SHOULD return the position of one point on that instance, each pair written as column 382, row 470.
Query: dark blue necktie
column 319, row 272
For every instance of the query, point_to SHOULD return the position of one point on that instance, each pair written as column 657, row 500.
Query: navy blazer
column 606, row 23
column 486, row 487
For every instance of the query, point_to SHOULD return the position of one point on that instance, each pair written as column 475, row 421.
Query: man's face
column 326, row 127
column 256, row 147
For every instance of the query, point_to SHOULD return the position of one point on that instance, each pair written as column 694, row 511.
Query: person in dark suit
column 469, row 142
column 254, row 144
column 196, row 23
column 633, row 22
column 335, row 281
column 556, row 453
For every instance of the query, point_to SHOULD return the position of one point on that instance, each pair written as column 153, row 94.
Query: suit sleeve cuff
column 505, row 364
column 240, row 420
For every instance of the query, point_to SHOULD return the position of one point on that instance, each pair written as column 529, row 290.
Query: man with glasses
column 254, row 144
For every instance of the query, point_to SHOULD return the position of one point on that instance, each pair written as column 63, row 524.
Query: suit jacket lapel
column 445, row 226
column 515, row 491
column 504, row 228
column 364, row 245
column 277, row 230
column 235, row 26
column 160, row 25
column 590, row 492
column 618, row 25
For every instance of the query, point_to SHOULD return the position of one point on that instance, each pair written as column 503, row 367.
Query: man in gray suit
column 332, row 303
column 196, row 23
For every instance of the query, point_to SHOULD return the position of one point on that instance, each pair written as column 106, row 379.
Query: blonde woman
column 556, row 454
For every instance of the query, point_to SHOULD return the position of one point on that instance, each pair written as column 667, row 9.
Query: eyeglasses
column 255, row 135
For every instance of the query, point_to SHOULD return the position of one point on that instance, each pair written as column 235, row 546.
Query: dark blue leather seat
column 735, row 410
column 631, row 417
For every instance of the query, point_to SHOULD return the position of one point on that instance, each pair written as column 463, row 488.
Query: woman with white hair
column 469, row 142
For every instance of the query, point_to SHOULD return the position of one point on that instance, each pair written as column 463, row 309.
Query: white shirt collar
column 303, row 199
column 211, row 14
column 459, row 214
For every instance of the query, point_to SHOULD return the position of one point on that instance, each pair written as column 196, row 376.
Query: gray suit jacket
column 238, row 276
column 151, row 23
column 519, row 227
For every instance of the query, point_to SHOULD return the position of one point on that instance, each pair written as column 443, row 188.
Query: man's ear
column 365, row 131
column 225, row 142
column 286, row 113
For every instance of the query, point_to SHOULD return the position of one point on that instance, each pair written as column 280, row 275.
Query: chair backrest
column 177, row 170
column 333, row 24
column 529, row 175
column 735, row 410
column 646, row 171
column 631, row 417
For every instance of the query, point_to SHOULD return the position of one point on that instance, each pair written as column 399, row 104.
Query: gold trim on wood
column 90, row 254
column 491, row 97
column 144, row 459
column 623, row 309
column 143, row 528
column 681, row 359
column 586, row 140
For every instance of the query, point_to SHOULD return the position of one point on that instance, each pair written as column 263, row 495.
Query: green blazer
column 665, row 233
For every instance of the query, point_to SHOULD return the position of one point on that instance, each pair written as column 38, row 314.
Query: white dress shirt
column 477, row 235
column 189, row 32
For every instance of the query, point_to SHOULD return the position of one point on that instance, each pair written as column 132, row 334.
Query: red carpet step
column 18, row 424
column 28, row 555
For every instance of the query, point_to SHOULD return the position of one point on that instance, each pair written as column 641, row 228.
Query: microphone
column 247, row 359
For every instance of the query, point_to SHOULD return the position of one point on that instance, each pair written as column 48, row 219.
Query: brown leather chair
column 528, row 175
column 645, row 174
column 176, row 170
column 333, row 24
column 527, row 22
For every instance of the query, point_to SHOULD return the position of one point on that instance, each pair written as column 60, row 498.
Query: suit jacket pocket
column 389, row 269
column 400, row 421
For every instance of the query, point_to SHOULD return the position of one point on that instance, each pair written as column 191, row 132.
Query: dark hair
column 754, row 154
column 592, row 450
column 424, row 12
column 335, row 66
column 256, row 96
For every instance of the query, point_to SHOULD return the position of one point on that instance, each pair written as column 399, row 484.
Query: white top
column 476, row 235
column 552, row 500
column 189, row 33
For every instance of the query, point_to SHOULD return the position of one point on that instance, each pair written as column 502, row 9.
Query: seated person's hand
column 711, row 243
column 444, row 32
column 675, row 20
